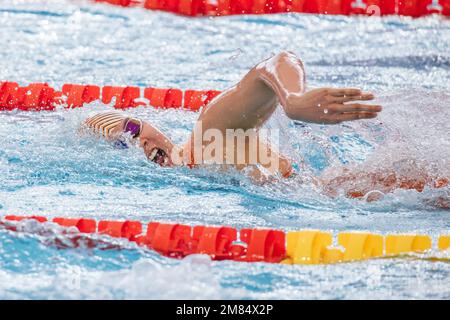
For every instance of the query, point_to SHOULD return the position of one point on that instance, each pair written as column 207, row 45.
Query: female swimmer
column 279, row 80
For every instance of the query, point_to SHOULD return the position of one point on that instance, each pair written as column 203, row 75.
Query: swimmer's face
column 157, row 147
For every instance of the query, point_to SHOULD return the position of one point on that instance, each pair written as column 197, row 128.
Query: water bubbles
column 38, row 149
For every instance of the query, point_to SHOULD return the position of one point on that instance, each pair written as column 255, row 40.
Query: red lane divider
column 178, row 241
column 83, row 225
column 172, row 240
column 118, row 229
column 9, row 95
column 125, row 96
column 264, row 245
column 40, row 96
column 35, row 96
column 413, row 8
column 417, row 8
column 214, row 241
column 164, row 98
column 194, row 100
column 77, row 95
column 122, row 3
column 20, row 218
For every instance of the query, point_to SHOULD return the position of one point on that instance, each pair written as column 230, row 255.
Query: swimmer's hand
column 330, row 106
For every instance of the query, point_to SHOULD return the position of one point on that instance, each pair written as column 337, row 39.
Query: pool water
column 46, row 168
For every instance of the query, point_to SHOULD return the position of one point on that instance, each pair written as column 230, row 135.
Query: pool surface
column 46, row 168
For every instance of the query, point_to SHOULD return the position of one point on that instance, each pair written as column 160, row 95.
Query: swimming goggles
column 132, row 126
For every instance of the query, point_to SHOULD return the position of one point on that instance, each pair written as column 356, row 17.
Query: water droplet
column 325, row 111
column 319, row 105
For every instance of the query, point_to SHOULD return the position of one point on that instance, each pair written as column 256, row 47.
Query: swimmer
column 278, row 80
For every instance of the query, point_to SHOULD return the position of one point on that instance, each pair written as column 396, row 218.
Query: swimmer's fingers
column 354, row 108
column 348, row 98
column 344, row 92
column 355, row 116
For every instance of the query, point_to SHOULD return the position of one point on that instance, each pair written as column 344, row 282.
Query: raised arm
column 284, row 73
column 280, row 80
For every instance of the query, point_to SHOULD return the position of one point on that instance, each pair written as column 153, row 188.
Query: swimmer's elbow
column 281, row 58
column 268, row 66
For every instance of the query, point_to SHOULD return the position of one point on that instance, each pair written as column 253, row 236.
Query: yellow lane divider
column 444, row 242
column 317, row 247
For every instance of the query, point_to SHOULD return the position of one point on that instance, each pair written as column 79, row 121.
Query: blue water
column 46, row 168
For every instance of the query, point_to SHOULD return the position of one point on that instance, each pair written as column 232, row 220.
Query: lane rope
column 308, row 247
column 193, row 8
column 40, row 96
